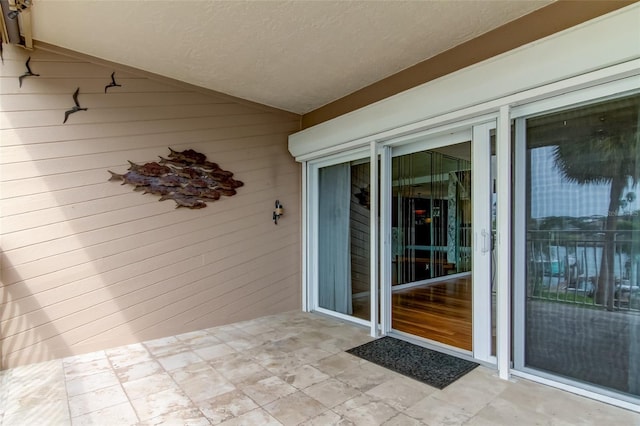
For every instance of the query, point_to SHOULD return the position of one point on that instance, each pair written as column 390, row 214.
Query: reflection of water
column 586, row 261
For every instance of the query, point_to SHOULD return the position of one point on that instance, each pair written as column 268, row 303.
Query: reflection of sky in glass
column 553, row 195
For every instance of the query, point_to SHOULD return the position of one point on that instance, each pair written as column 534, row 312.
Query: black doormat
column 433, row 368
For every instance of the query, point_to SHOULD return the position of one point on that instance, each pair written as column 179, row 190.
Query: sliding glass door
column 578, row 297
column 435, row 245
column 441, row 239
column 342, row 236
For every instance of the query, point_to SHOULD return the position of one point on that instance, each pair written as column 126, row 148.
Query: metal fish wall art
column 186, row 177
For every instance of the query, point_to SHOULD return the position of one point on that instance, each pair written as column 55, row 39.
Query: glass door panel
column 431, row 244
column 431, row 217
column 343, row 239
column 581, row 287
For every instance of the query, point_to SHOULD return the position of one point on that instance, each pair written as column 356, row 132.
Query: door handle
column 486, row 241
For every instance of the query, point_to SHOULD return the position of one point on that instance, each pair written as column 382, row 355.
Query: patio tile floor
column 287, row 369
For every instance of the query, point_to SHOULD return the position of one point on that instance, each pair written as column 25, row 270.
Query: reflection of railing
column 567, row 266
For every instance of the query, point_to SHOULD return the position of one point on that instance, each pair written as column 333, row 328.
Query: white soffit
column 293, row 55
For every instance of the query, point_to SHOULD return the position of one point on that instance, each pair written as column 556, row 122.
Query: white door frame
column 479, row 135
column 310, row 221
column 482, row 240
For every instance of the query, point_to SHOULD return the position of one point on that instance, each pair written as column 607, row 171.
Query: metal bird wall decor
column 113, row 83
column 186, row 177
column 28, row 73
column 75, row 108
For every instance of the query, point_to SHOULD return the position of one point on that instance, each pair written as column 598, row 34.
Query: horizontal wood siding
column 89, row 264
column 360, row 227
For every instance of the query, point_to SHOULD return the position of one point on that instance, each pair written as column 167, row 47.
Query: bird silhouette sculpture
column 75, row 108
column 29, row 73
column 113, row 83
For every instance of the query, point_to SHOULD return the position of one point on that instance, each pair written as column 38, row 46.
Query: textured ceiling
column 293, row 55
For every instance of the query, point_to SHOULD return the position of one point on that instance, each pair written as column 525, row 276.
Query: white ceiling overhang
column 292, row 55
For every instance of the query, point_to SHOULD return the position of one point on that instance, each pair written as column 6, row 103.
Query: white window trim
column 482, row 251
column 373, row 239
column 503, row 243
column 304, row 244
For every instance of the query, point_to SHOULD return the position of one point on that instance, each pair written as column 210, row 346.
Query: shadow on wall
column 89, row 264
column 16, row 336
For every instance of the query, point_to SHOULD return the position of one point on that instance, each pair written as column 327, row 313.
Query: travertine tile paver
column 304, row 376
column 402, row 420
column 32, row 392
column 286, row 369
column 472, row 395
column 365, row 411
column 214, row 351
column 433, row 412
column 501, row 412
column 162, row 403
column 226, row 406
column 121, row 414
column 96, row 400
column 150, row 384
column 183, row 416
column 337, row 363
column 143, row 369
column 240, row 369
column 268, row 390
column 327, row 418
column 4, row 378
column 165, row 346
column 55, row 413
column 91, row 382
column 128, row 355
column 366, row 376
column 331, row 392
column 400, row 392
column 202, row 384
column 295, row 408
column 258, row 416
column 178, row 360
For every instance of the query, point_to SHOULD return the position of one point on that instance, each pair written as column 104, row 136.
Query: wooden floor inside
column 440, row 312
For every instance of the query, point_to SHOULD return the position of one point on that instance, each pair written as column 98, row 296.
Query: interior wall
column 88, row 263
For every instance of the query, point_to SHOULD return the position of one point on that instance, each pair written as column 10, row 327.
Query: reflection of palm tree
column 627, row 201
column 596, row 145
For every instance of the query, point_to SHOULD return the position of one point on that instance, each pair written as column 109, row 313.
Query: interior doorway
column 441, row 208
column 431, row 200
column 431, row 244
